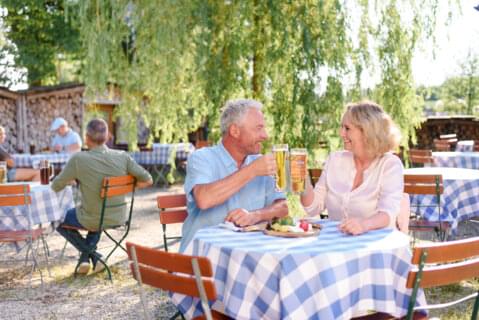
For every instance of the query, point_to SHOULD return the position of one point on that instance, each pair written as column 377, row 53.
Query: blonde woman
column 362, row 186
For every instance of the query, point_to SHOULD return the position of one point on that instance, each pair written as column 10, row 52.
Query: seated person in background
column 89, row 168
column 65, row 139
column 363, row 185
column 15, row 174
column 231, row 181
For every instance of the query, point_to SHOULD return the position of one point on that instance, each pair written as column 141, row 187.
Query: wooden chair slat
column 420, row 152
column 175, row 283
column 118, row 181
column 417, row 156
column 442, row 145
column 445, row 274
column 16, row 200
column 20, row 235
column 117, row 191
column 422, row 189
column 423, row 184
column 14, row 189
column 423, row 178
column 171, row 201
column 169, row 261
column 448, row 251
column 174, row 216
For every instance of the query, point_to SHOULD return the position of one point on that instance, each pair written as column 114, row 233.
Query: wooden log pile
column 43, row 109
column 8, row 111
column 465, row 127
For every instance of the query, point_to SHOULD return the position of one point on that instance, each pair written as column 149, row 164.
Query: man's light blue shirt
column 208, row 165
column 70, row 138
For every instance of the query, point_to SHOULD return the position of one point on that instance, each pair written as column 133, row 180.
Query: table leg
column 159, row 172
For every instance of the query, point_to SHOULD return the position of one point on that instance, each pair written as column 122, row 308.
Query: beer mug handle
column 51, row 171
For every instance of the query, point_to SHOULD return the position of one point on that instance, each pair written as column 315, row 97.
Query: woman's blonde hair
column 380, row 133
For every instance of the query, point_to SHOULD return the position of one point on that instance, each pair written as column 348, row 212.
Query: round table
column 330, row 276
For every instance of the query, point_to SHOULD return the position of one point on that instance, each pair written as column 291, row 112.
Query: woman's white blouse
column 380, row 191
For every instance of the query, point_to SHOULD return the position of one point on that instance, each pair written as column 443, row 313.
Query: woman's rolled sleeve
column 392, row 187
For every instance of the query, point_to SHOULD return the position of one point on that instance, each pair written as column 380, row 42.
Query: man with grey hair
column 232, row 181
column 89, row 168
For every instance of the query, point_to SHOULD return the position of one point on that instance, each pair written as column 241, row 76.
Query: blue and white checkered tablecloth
column 47, row 206
column 465, row 146
column 26, row 160
column 467, row 160
column 161, row 153
column 459, row 201
column 331, row 276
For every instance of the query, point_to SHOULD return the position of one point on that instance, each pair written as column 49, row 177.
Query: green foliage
column 41, row 39
column 177, row 62
column 396, row 91
column 461, row 94
column 144, row 49
column 457, row 95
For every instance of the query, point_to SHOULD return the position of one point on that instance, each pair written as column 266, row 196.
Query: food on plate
column 288, row 224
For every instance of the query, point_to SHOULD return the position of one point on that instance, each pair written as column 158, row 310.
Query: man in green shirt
column 89, row 168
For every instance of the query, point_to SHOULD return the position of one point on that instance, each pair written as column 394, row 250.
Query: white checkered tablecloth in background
column 47, row 206
column 332, row 276
column 161, row 153
column 26, row 160
column 468, row 160
column 459, row 201
column 465, row 146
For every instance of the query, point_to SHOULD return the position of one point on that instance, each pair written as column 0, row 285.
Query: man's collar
column 101, row 148
column 226, row 156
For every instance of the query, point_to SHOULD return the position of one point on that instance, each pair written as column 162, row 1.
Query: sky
column 453, row 44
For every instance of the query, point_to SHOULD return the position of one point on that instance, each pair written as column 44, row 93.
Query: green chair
column 17, row 197
column 426, row 184
column 420, row 158
column 174, row 272
column 444, row 264
column 114, row 192
column 172, row 210
column 437, row 265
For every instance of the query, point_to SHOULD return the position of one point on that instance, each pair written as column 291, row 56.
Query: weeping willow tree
column 177, row 62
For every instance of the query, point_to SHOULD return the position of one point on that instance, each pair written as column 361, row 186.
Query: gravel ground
column 93, row 297
column 86, row 297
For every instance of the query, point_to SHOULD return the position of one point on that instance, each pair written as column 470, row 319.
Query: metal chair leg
column 62, row 254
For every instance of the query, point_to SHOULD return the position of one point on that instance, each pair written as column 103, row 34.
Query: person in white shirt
column 362, row 186
column 65, row 139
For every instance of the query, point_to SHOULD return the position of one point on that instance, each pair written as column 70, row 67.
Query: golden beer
column 280, row 152
column 298, row 161
column 3, row 172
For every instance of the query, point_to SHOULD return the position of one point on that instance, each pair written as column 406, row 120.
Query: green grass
column 444, row 294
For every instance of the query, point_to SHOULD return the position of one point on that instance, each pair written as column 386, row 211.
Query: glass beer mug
column 297, row 162
column 280, row 152
column 46, row 172
column 3, row 172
